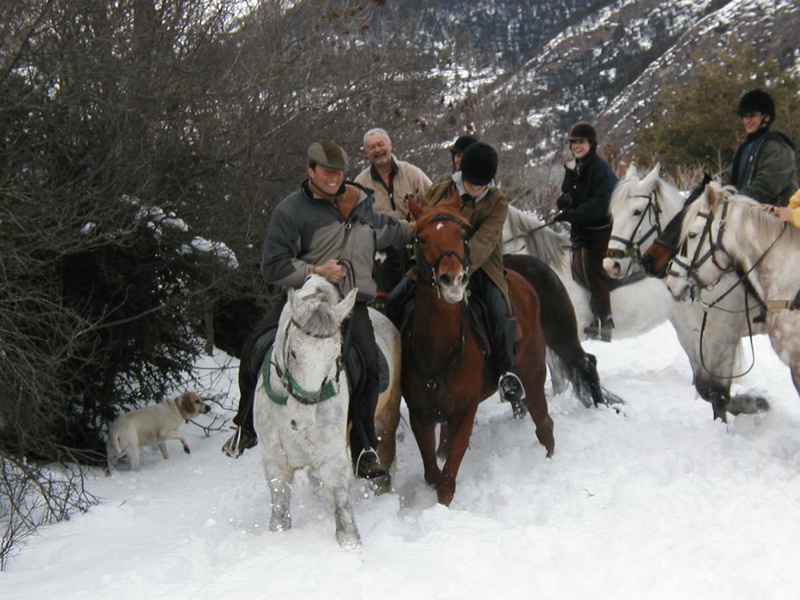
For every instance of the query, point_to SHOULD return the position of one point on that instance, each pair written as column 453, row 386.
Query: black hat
column 583, row 131
column 461, row 143
column 479, row 163
column 757, row 101
column 328, row 156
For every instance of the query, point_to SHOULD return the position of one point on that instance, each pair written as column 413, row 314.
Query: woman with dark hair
column 586, row 194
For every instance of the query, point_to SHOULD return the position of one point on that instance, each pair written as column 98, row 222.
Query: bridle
column 696, row 285
column 692, row 267
column 327, row 389
column 634, row 248
column 429, row 271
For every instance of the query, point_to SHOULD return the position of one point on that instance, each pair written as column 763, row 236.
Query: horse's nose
column 611, row 266
column 449, row 279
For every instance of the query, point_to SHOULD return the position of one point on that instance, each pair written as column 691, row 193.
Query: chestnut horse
column 446, row 373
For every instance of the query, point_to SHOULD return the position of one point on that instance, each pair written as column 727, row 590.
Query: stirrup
column 368, row 465
column 239, row 442
column 510, row 387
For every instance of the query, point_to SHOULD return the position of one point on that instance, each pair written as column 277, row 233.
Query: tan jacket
column 408, row 179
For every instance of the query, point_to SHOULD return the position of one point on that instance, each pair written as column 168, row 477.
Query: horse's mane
column 544, row 243
column 765, row 226
column 322, row 295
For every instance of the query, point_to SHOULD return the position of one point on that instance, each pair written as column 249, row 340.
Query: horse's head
column 701, row 259
column 636, row 215
column 441, row 247
column 656, row 258
column 308, row 347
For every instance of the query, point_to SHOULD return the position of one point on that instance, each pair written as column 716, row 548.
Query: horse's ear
column 650, row 181
column 414, row 207
column 714, row 194
column 296, row 304
column 632, row 172
column 344, row 307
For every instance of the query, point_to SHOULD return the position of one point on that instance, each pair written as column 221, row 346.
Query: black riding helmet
column 757, row 101
column 479, row 164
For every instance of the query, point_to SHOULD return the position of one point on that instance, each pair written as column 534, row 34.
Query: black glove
column 560, row 217
column 564, row 201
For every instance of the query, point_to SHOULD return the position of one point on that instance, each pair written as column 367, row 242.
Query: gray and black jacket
column 763, row 167
column 306, row 231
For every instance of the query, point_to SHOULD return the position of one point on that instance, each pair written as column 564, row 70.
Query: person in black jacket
column 763, row 167
column 586, row 194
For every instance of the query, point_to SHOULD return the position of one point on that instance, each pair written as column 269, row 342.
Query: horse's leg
column 425, row 434
column 279, row 481
column 795, row 367
column 558, row 377
column 386, row 422
column 460, row 430
column 337, row 478
column 536, row 403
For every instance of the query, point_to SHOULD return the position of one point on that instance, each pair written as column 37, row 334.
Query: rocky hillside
column 556, row 61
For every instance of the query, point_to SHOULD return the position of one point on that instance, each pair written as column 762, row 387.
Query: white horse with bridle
column 301, row 402
column 728, row 241
column 641, row 208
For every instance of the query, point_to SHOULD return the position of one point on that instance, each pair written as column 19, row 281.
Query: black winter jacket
column 590, row 182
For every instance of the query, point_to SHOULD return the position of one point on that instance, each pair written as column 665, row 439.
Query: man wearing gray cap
column 328, row 228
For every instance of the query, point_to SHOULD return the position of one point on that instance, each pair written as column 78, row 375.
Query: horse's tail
column 561, row 328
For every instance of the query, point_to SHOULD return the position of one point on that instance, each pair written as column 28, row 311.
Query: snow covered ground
column 658, row 502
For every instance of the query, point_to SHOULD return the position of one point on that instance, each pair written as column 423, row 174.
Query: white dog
column 151, row 426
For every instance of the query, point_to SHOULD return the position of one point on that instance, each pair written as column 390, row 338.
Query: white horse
column 641, row 208
column 726, row 236
column 301, row 409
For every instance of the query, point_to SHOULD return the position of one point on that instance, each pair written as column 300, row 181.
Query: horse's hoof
column 748, row 405
column 348, row 540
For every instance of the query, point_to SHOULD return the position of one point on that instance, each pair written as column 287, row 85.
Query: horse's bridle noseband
column 327, row 389
column 633, row 248
column 692, row 267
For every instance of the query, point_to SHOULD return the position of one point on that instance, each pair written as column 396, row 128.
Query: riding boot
column 504, row 329
column 255, row 349
column 400, row 301
column 364, row 398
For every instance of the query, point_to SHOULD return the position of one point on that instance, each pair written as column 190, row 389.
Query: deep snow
column 657, row 502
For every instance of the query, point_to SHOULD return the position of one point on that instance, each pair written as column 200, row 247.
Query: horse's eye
column 293, row 354
column 637, row 212
column 692, row 235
